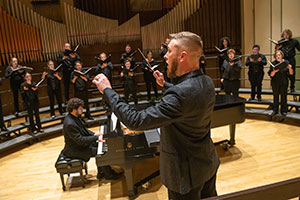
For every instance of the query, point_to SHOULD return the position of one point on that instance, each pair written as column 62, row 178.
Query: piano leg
column 132, row 192
column 62, row 181
column 232, row 134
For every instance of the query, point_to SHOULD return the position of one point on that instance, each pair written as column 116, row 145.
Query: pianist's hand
column 160, row 80
column 101, row 82
column 100, row 137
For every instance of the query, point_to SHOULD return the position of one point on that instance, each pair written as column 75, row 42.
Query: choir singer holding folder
column 188, row 159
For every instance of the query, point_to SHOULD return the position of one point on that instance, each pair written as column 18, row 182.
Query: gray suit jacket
column 187, row 154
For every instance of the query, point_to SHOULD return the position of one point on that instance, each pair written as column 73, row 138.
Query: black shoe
column 292, row 89
column 100, row 175
column 16, row 114
column 274, row 113
column 4, row 128
column 259, row 99
column 284, row 114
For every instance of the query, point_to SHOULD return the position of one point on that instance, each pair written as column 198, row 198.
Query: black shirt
column 129, row 81
column 280, row 77
column 29, row 96
column 124, row 57
column 53, row 83
column 231, row 72
column 16, row 77
column 148, row 75
column 80, row 83
column 68, row 63
column 256, row 67
column 288, row 48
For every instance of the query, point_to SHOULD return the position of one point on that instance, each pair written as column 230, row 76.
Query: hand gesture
column 160, row 80
column 101, row 82
column 251, row 60
column 259, row 59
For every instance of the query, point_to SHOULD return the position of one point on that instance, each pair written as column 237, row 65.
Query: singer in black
column 231, row 70
column 128, row 55
column 16, row 79
column 53, row 87
column 67, row 59
column 288, row 48
column 80, row 81
column 225, row 43
column 80, row 142
column 164, row 50
column 105, row 67
column 2, row 125
column 148, row 74
column 202, row 64
column 31, row 101
column 129, row 82
column 256, row 63
column 279, row 82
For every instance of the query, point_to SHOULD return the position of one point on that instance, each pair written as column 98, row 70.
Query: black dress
column 149, row 78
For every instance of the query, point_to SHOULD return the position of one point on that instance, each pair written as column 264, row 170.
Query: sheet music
column 114, row 120
column 100, row 144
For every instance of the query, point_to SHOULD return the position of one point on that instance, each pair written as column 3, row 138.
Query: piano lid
column 224, row 101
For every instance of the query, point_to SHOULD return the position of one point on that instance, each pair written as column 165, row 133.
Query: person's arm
column 263, row 60
column 167, row 111
column 297, row 45
column 110, row 66
column 74, row 133
column 8, row 72
column 248, row 61
column 237, row 66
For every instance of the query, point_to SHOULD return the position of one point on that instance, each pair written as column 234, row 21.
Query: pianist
column 188, row 159
column 80, row 142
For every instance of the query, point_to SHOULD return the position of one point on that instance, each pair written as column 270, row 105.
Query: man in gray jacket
column 188, row 159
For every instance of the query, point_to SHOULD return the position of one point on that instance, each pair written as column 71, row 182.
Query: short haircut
column 78, row 62
column 230, row 51
column 127, row 45
column 256, row 46
column 278, row 51
column 74, row 103
column 189, row 42
column 126, row 61
column 102, row 53
column 49, row 61
column 288, row 31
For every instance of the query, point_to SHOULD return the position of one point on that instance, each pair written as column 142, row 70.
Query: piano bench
column 65, row 165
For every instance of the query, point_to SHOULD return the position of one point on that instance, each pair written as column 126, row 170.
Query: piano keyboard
column 100, row 144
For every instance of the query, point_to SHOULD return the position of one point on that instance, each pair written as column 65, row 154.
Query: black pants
column 15, row 89
column 256, row 83
column 66, row 81
column 279, row 89
column 292, row 77
column 83, row 95
column 57, row 94
column 33, row 108
column 1, row 115
column 204, row 191
column 128, row 91
column 232, row 86
column 150, row 83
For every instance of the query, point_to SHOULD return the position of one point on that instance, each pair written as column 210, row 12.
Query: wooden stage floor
column 266, row 152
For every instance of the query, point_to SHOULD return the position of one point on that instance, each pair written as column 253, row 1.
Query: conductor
column 188, row 159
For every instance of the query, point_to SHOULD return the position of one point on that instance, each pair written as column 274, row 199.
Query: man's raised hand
column 160, row 80
column 101, row 82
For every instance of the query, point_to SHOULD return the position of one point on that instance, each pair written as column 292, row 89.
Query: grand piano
column 126, row 150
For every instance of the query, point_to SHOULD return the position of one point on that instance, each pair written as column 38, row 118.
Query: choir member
column 256, row 63
column 67, row 59
column 53, row 87
column 80, row 142
column 148, row 74
column 128, row 55
column 231, row 70
column 31, row 101
column 188, row 158
column 202, row 64
column 279, row 82
column 288, row 47
column 2, row 125
column 225, row 44
column 80, row 81
column 164, row 50
column 16, row 76
column 105, row 67
column 129, row 82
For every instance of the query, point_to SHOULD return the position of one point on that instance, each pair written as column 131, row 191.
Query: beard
column 172, row 72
